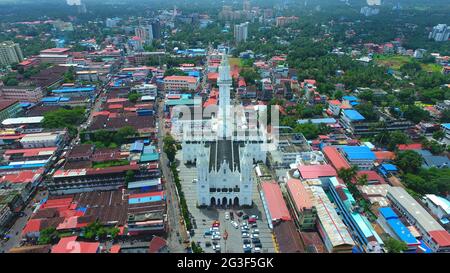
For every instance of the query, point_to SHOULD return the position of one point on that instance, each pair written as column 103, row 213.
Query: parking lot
column 205, row 217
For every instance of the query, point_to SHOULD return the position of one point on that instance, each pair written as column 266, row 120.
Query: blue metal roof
column 397, row 226
column 353, row 115
column 389, row 167
column 73, row 90
column 402, row 231
column 317, row 120
column 358, row 153
column 350, row 98
column 50, row 99
column 387, row 213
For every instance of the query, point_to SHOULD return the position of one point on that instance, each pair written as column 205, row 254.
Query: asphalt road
column 20, row 222
column 176, row 231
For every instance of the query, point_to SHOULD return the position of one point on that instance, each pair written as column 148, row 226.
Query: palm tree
column 363, row 180
column 348, row 174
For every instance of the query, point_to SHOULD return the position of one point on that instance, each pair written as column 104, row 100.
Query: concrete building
column 440, row 33
column 146, row 89
column 10, row 53
column 41, row 140
column 282, row 20
column 241, row 32
column 439, row 206
column 433, row 234
column 180, row 83
column 300, row 200
column 26, row 93
column 9, row 109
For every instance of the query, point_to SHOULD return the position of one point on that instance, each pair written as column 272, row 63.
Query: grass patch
column 110, row 163
column 235, row 61
column 396, row 61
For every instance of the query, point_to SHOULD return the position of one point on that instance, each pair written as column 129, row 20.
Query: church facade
column 225, row 158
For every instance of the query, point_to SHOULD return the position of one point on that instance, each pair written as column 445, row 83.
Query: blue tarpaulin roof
column 137, row 146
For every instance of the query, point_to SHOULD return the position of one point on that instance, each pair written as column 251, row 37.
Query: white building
column 439, row 206
column 225, row 157
column 241, row 32
column 146, row 89
column 41, row 140
column 440, row 33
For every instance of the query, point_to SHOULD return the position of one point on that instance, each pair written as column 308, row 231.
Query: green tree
column 133, row 97
column 48, row 236
column 129, row 176
column 395, row 246
column 408, row 161
column 363, row 180
column 169, row 147
column 348, row 174
column 438, row 135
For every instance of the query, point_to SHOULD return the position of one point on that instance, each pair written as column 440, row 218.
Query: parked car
column 207, row 243
column 231, row 215
column 215, row 237
column 239, row 213
column 254, row 235
column 255, row 231
column 216, row 248
column 254, row 216
column 251, row 220
column 245, row 217
column 234, row 224
column 257, row 245
column 227, row 216
column 255, row 240
column 246, row 241
column 257, row 250
column 245, row 235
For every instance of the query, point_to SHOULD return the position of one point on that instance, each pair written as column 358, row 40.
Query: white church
column 226, row 153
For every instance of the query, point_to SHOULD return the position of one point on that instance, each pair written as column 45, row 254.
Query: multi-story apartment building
column 23, row 93
column 10, row 53
column 181, row 83
column 241, row 32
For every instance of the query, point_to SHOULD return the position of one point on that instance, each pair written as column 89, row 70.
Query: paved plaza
column 204, row 217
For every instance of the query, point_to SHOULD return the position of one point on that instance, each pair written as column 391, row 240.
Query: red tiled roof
column 189, row 79
column 335, row 158
column 301, row 197
column 275, row 201
column 372, row 177
column 316, row 171
column 156, row 244
column 441, row 237
column 384, row 155
column 413, row 146
column 70, row 245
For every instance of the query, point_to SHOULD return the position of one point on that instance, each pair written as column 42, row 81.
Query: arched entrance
column 224, row 201
column 236, row 202
column 213, row 201
column 218, row 201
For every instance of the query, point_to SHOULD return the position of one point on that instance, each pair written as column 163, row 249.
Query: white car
column 257, row 250
column 194, row 180
column 215, row 237
column 254, row 235
column 254, row 216
column 234, row 224
column 216, row 248
column 245, row 235
column 255, row 231
column 246, row 246
column 227, row 216
column 215, row 229
column 244, row 229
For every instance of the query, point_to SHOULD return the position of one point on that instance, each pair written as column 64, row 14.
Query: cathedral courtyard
column 204, row 217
